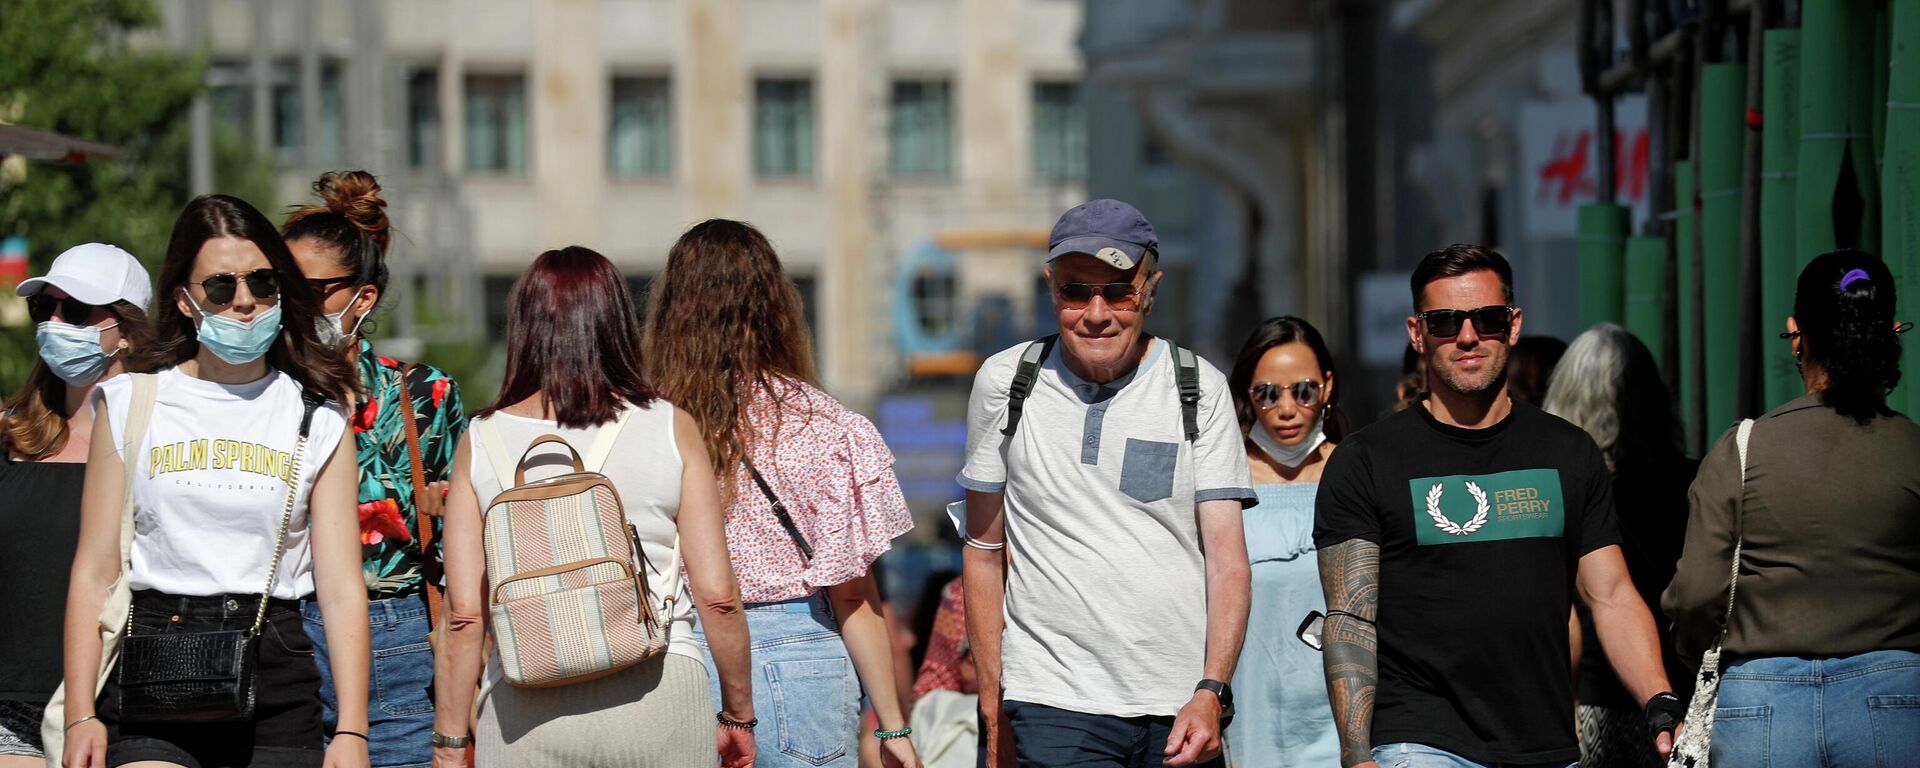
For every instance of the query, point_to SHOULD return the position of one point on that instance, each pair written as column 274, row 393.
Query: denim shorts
column 805, row 692
column 1411, row 755
column 285, row 729
column 400, row 696
column 1855, row 710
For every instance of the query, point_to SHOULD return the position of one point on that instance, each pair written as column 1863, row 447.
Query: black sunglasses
column 263, row 283
column 1492, row 320
column 1119, row 296
column 41, row 308
column 1266, row 394
column 324, row 285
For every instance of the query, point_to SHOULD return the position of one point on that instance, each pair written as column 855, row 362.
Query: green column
column 1648, row 292
column 1901, row 180
column 1723, row 108
column 1779, row 263
column 1603, row 236
column 1686, row 307
column 1838, row 189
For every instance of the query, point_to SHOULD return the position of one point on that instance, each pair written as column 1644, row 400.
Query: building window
column 1059, row 132
column 783, row 127
column 423, row 117
column 497, row 123
column 640, row 136
column 922, row 128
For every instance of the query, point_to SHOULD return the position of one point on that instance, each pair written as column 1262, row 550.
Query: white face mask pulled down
column 1293, row 455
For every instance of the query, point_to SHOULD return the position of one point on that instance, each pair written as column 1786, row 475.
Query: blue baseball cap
column 1108, row 230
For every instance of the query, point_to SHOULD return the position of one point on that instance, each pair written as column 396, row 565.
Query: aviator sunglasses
column 1491, row 320
column 1118, row 296
column 263, row 283
column 73, row 311
column 1266, row 394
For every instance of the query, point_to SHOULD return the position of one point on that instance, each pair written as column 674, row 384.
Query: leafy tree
column 73, row 66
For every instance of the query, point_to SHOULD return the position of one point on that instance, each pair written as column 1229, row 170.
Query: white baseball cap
column 96, row 273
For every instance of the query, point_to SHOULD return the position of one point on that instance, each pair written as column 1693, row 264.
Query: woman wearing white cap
column 91, row 312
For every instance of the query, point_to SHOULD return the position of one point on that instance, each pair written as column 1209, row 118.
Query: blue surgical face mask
column 234, row 341
column 73, row 352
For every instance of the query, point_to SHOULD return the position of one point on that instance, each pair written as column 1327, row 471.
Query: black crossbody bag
column 780, row 513
column 203, row 677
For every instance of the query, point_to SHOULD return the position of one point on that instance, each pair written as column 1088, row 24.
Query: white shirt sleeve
column 1220, row 468
column 986, row 467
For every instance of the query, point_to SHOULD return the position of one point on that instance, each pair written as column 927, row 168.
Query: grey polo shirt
column 1106, row 601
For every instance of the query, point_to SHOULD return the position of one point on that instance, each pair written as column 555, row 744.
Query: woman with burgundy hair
column 574, row 369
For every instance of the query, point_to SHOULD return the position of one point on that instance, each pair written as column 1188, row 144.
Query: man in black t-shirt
column 1452, row 536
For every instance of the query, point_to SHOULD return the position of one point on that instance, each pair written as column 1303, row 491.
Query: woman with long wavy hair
column 241, row 479
column 341, row 244
column 91, row 308
column 809, row 488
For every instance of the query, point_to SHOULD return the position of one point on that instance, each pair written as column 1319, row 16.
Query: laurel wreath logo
column 1440, row 521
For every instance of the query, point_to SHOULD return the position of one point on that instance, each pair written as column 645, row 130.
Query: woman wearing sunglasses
column 811, row 499
column 1283, row 390
column 90, row 311
column 222, row 471
column 341, row 245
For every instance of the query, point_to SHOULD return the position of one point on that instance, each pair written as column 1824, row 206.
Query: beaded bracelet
column 728, row 722
column 899, row 734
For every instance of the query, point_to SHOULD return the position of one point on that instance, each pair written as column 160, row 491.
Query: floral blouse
column 835, row 475
column 391, row 559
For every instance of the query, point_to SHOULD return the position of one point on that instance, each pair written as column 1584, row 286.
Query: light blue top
column 1280, row 690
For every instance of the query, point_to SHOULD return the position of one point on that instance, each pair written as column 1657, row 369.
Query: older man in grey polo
column 1110, row 466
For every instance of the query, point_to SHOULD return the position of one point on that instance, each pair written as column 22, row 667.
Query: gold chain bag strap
column 1692, row 748
column 203, row 677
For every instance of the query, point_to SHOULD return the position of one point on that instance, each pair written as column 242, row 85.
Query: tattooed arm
column 1350, row 576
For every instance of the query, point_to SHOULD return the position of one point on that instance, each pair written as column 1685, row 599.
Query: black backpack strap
column 780, row 513
column 1023, row 379
column 1187, row 375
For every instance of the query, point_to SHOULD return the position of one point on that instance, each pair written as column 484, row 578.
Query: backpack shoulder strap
column 603, row 441
column 486, row 440
column 1187, row 376
column 1023, row 378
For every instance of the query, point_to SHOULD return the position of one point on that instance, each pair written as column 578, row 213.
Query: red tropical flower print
column 439, row 391
column 380, row 520
column 369, row 410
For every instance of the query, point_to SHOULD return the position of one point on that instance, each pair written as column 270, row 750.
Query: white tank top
column 645, row 468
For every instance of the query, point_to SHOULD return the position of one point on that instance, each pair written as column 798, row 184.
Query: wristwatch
column 1225, row 694
column 455, row 742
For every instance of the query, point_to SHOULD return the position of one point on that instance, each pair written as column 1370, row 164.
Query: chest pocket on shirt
column 1146, row 474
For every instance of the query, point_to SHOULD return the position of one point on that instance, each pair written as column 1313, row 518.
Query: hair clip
column 1853, row 276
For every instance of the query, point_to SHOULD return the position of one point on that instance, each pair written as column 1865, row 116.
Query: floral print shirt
column 391, row 559
column 834, row 475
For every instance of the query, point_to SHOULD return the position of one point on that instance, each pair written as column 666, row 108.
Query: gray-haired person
column 1109, row 464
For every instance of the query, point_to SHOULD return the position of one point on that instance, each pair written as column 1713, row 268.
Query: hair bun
column 355, row 195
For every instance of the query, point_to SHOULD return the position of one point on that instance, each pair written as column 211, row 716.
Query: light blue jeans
column 400, row 693
column 1410, row 755
column 805, row 692
column 1854, row 711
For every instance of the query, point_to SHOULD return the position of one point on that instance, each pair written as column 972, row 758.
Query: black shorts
column 285, row 731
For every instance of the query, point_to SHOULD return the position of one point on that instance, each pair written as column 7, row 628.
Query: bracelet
column 79, row 721
column 728, row 722
column 899, row 734
column 363, row 737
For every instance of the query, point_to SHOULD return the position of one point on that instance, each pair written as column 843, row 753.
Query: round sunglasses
column 1266, row 394
column 263, row 283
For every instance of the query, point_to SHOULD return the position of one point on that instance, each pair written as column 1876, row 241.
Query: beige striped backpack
column 566, row 602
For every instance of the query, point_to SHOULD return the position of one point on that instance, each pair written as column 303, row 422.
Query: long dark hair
column 573, row 336
column 352, row 218
column 1267, row 335
column 1844, row 307
column 722, row 320
column 34, row 420
column 297, row 351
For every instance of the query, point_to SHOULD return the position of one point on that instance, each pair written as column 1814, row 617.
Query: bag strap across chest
column 1186, row 376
